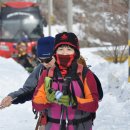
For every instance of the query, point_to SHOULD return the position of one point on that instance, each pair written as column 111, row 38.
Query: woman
column 68, row 105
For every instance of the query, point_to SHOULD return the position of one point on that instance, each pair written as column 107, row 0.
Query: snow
column 114, row 109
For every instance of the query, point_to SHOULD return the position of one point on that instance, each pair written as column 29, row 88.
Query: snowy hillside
column 113, row 112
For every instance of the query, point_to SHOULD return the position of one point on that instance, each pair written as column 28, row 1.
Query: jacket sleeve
column 90, row 102
column 26, row 92
column 39, row 101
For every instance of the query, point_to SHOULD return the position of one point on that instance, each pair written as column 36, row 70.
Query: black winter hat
column 67, row 38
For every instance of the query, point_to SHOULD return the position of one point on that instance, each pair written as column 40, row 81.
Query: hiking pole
column 61, row 118
column 66, row 120
column 64, row 125
column 38, row 122
column 65, row 87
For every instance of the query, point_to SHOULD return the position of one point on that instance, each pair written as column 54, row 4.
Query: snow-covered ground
column 114, row 109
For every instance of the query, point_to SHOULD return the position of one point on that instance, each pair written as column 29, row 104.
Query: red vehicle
column 19, row 21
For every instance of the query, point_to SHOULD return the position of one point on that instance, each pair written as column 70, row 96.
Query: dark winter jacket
column 25, row 94
column 24, row 61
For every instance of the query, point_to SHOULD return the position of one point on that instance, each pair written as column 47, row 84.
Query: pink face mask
column 64, row 60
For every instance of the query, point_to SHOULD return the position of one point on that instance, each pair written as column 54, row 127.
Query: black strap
column 40, row 71
column 81, row 86
column 73, row 95
column 70, row 122
column 85, row 70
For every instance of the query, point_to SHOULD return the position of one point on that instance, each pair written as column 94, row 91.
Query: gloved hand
column 47, row 82
column 64, row 100
column 72, row 102
column 51, row 96
column 50, row 93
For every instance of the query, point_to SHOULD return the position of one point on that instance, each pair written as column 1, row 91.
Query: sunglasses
column 45, row 60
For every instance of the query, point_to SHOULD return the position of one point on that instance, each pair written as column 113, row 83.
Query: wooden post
column 69, row 16
column 129, row 43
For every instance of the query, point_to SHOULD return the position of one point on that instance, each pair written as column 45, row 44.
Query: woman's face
column 65, row 50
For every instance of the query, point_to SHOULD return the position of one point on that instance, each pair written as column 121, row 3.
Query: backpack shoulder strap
column 42, row 76
column 80, row 68
column 82, row 71
column 79, row 71
column 40, row 71
column 51, row 71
